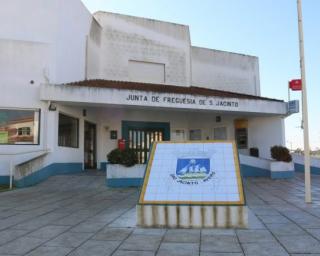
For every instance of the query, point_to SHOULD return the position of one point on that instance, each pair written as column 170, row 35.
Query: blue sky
column 265, row 28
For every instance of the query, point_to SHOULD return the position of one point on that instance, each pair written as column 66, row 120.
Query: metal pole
column 11, row 172
column 307, row 178
column 288, row 93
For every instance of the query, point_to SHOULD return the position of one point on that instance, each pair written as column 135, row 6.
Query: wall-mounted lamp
column 52, row 107
column 218, row 119
column 84, row 112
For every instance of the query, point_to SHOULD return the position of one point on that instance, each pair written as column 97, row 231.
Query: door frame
column 95, row 164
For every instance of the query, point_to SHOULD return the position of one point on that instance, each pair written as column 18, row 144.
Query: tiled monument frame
column 190, row 213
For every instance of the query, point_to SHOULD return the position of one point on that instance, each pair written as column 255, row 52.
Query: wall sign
column 114, row 96
column 113, row 135
column 293, row 106
column 199, row 173
column 187, row 100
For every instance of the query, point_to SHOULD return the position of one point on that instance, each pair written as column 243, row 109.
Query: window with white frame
column 19, row 126
column 220, row 133
column 68, row 134
column 195, row 134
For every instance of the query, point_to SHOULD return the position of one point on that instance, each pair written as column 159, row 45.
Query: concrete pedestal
column 182, row 216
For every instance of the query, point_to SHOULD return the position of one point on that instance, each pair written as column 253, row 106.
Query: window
column 195, row 134
column 68, row 131
column 220, row 133
column 178, row 135
column 19, row 127
column 26, row 131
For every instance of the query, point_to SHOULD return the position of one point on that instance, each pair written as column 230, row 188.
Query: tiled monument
column 192, row 185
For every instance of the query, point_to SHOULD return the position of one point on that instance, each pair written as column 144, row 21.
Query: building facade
column 74, row 83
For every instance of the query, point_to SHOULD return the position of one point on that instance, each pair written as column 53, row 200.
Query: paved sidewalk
column 78, row 215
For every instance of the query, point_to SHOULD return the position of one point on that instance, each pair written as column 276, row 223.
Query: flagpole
column 307, row 178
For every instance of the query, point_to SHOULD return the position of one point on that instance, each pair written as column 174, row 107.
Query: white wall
column 61, row 25
column 225, row 71
column 58, row 41
column 126, row 38
column 265, row 132
column 42, row 41
column 179, row 120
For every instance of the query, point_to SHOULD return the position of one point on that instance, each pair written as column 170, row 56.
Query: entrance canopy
column 106, row 92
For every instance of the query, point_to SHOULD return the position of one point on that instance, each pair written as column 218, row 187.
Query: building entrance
column 90, row 145
column 139, row 136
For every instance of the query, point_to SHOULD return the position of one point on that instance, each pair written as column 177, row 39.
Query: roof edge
column 164, row 88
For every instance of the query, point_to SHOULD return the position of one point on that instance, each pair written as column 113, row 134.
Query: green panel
column 135, row 134
column 127, row 125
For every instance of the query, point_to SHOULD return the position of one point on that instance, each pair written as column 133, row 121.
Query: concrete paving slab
column 300, row 244
column 221, row 243
column 95, row 248
column 133, row 253
column 113, row 234
column 10, row 234
column 50, row 251
column 264, row 249
column 182, row 236
column 141, row 242
column 21, row 245
column 255, row 236
column 79, row 215
column 220, row 254
column 49, row 231
column 69, row 239
column 178, row 249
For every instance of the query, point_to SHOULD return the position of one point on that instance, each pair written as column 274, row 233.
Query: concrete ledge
column 103, row 166
column 282, row 175
column 124, row 182
column 252, row 171
column 313, row 169
column 48, row 171
column 185, row 216
column 4, row 180
column 120, row 176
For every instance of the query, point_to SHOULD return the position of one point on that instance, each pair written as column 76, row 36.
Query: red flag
column 295, row 85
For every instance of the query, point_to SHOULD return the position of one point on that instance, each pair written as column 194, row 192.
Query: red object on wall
column 295, row 85
column 121, row 144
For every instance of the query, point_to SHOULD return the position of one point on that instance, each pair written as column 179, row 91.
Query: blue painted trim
column 300, row 168
column 251, row 171
column 46, row 172
column 103, row 166
column 4, row 180
column 282, row 175
column 124, row 182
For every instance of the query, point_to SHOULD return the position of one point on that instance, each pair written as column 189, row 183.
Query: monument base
column 185, row 216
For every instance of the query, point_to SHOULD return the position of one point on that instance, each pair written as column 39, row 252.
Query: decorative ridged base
column 184, row 216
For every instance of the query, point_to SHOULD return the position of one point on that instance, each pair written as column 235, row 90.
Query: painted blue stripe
column 252, row 171
column 300, row 168
column 46, row 172
column 4, row 180
column 282, row 175
column 124, row 182
column 103, row 166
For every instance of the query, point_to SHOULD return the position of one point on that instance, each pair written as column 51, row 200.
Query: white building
column 88, row 80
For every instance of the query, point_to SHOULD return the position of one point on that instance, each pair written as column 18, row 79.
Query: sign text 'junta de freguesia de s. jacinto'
column 181, row 100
